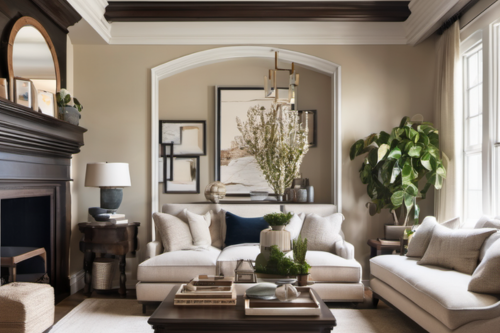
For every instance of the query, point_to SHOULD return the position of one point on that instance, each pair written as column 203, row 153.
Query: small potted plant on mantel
column 299, row 256
column 67, row 112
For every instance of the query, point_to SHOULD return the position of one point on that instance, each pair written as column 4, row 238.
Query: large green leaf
column 404, row 121
column 369, row 139
column 383, row 137
column 382, row 151
column 439, row 182
column 416, row 212
column 423, row 138
column 415, row 151
column 407, row 173
column 397, row 198
column 434, row 139
column 386, row 171
column 372, row 190
column 409, row 145
column 408, row 199
column 396, row 170
column 356, row 148
column 366, row 174
column 395, row 154
column 411, row 189
column 373, row 157
column 440, row 170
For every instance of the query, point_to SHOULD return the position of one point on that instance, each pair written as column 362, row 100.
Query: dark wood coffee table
column 176, row 319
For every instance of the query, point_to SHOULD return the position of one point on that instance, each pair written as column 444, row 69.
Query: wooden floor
column 69, row 303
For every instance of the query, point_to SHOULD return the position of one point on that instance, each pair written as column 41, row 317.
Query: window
column 480, row 50
column 473, row 130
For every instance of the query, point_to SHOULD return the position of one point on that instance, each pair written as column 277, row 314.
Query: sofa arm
column 344, row 249
column 153, row 249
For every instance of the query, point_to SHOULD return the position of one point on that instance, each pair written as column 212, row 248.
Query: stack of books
column 389, row 242
column 113, row 219
column 207, row 290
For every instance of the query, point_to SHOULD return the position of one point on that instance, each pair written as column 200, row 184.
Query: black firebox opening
column 27, row 222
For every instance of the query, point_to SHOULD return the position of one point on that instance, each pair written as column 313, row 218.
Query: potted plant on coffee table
column 299, row 256
column 278, row 266
column 396, row 163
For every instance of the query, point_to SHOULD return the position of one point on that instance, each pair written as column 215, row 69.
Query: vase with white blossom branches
column 278, row 141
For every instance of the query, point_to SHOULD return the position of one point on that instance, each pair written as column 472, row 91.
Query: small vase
column 70, row 115
column 277, row 227
column 302, row 279
column 279, row 197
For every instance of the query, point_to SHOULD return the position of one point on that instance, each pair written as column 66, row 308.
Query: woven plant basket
column 103, row 272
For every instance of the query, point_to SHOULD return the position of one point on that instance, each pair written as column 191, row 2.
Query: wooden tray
column 305, row 305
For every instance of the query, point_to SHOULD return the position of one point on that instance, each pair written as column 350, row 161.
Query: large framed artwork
column 187, row 136
column 234, row 167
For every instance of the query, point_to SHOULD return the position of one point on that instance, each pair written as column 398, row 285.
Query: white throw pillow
column 487, row 243
column 295, row 225
column 485, row 278
column 174, row 232
column 322, row 232
column 486, row 221
column 422, row 237
column 199, row 226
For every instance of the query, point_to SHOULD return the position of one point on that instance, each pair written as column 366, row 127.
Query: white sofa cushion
column 230, row 255
column 422, row 237
column 486, row 221
column 328, row 267
column 486, row 277
column 441, row 292
column 179, row 266
column 295, row 225
column 322, row 232
column 487, row 243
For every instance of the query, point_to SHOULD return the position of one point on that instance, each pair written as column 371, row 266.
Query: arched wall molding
column 221, row 54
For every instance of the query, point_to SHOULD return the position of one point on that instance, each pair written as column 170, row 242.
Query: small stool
column 26, row 307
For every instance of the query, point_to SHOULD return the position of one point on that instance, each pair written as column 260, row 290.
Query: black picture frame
column 201, row 123
column 164, row 155
column 313, row 134
column 166, row 188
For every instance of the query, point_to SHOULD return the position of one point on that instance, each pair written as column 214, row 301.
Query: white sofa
column 337, row 275
column 436, row 298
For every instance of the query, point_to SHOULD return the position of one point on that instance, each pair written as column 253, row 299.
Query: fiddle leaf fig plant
column 396, row 162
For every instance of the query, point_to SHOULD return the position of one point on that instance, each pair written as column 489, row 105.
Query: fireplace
column 35, row 198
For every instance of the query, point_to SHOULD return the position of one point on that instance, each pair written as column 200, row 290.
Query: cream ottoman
column 26, row 307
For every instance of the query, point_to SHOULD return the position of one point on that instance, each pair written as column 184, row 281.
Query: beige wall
column 190, row 95
column 380, row 84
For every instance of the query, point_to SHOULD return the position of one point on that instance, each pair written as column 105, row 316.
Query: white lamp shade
column 107, row 175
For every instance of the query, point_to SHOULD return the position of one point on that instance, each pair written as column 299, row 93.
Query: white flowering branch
column 277, row 141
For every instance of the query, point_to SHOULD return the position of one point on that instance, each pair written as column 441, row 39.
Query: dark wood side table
column 377, row 248
column 115, row 239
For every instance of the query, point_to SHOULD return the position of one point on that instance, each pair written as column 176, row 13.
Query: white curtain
column 448, row 55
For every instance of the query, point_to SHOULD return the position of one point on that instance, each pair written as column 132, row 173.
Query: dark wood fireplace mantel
column 35, row 160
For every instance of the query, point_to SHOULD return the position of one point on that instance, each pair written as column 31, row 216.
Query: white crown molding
column 220, row 54
column 230, row 33
column 425, row 15
column 92, row 11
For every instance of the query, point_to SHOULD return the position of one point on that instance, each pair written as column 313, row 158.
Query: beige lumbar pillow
column 486, row 276
column 455, row 249
column 174, row 232
column 215, row 229
column 322, row 232
column 199, row 226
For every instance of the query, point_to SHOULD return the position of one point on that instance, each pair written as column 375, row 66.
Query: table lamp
column 111, row 178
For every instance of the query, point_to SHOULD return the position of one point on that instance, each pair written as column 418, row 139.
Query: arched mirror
column 34, row 75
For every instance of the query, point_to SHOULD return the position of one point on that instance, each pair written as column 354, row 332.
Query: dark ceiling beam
column 358, row 11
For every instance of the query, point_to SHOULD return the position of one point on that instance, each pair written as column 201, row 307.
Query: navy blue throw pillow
column 243, row 230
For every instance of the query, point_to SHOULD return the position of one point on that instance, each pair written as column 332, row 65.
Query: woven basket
column 103, row 271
